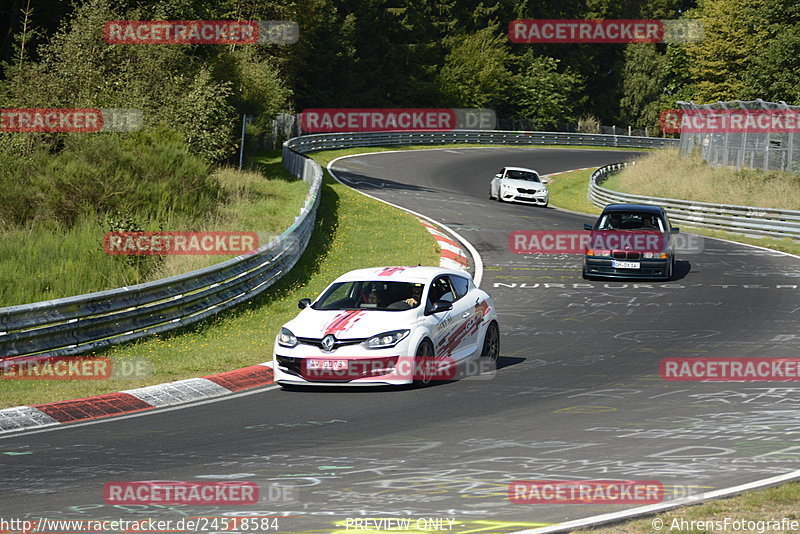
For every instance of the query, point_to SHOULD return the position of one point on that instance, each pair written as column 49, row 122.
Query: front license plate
column 333, row 365
column 625, row 264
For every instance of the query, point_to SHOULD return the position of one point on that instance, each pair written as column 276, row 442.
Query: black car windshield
column 371, row 295
column 630, row 220
column 523, row 175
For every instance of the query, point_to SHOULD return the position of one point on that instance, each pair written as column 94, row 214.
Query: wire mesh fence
column 766, row 148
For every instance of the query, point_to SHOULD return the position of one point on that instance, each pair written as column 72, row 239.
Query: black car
column 630, row 241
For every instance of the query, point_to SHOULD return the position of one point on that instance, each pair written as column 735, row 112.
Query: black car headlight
column 386, row 340
column 286, row 338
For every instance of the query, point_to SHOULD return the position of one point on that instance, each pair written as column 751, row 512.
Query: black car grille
column 292, row 364
column 527, row 191
column 622, row 255
column 317, row 342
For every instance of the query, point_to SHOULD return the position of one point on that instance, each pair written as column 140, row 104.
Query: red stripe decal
column 343, row 321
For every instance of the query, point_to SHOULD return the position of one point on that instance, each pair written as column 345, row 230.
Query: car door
column 449, row 324
column 471, row 310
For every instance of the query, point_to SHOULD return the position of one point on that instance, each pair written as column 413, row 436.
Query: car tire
column 425, row 350
column 671, row 272
column 491, row 343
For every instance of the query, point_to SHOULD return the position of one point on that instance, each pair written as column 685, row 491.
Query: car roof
column 634, row 207
column 521, row 169
column 418, row 274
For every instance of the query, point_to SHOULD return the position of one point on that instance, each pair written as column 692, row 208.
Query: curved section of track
column 577, row 395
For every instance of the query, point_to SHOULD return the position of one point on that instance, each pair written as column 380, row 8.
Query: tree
column 476, row 71
column 543, row 94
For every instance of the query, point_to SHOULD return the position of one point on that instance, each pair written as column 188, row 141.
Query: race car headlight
column 386, row 340
column 598, row 252
column 286, row 338
column 647, row 255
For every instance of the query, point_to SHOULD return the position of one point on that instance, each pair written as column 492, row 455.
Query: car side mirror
column 545, row 180
column 587, row 226
column 674, row 230
column 498, row 175
column 304, row 303
column 440, row 306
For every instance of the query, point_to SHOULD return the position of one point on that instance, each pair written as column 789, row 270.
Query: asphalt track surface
column 577, row 394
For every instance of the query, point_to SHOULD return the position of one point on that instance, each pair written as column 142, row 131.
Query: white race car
column 390, row 326
column 517, row 184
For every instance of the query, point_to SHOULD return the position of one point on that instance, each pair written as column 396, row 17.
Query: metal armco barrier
column 309, row 143
column 87, row 322
column 740, row 219
column 82, row 323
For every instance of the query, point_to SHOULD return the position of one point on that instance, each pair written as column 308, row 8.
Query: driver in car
column 416, row 295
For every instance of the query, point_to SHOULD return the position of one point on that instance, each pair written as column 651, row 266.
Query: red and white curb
column 135, row 400
column 451, row 254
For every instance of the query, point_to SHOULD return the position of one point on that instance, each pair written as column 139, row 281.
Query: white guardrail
column 78, row 324
column 741, row 219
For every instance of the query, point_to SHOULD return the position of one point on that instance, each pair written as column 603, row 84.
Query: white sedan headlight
column 286, row 338
column 386, row 340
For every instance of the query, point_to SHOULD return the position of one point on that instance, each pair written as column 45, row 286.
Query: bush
column 151, row 173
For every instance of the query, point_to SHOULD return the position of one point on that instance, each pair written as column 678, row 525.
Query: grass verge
column 49, row 259
column 664, row 173
column 352, row 231
column 771, row 504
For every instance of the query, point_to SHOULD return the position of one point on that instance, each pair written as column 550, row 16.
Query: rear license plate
column 625, row 264
column 333, row 365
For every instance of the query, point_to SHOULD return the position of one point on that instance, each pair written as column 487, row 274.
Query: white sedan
column 518, row 184
column 388, row 325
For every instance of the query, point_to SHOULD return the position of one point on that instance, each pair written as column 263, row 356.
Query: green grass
column 664, row 173
column 568, row 191
column 48, row 258
column 352, row 231
column 761, row 505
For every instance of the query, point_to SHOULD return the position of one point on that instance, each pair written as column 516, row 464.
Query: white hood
column 524, row 184
column 347, row 324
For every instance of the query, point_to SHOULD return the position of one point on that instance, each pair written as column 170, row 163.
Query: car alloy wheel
column 423, row 364
column 491, row 343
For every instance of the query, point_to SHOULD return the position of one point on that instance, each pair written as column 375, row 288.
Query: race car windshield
column 523, row 175
column 630, row 221
column 371, row 295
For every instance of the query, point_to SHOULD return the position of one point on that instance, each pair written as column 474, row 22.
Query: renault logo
column 327, row 343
